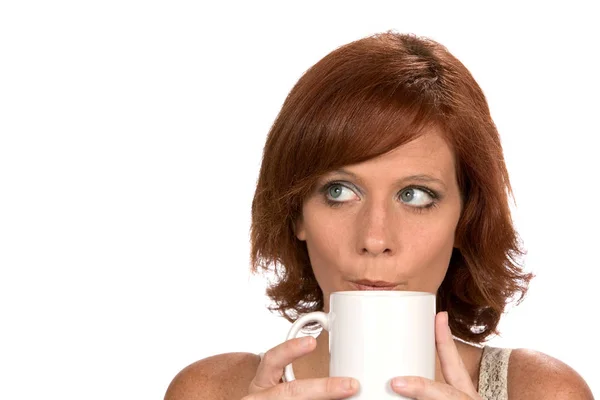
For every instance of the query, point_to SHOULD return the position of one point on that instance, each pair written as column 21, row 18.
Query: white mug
column 375, row 336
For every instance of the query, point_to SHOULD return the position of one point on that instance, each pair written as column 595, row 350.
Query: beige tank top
column 493, row 373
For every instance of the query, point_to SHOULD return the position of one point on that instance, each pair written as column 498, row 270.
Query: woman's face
column 389, row 221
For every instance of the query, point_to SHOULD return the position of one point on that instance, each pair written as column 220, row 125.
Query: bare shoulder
column 535, row 375
column 221, row 377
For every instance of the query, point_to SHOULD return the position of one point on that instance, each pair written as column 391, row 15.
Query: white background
column 130, row 141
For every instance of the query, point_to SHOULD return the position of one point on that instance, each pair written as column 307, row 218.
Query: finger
column 420, row 388
column 454, row 370
column 310, row 389
column 270, row 370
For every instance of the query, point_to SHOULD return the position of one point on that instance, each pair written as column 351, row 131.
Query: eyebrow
column 418, row 177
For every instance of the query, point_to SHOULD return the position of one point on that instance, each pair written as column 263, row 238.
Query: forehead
column 429, row 153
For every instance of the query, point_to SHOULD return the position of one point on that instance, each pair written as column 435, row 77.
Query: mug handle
column 316, row 316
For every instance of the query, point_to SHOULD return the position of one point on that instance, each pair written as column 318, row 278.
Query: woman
column 384, row 170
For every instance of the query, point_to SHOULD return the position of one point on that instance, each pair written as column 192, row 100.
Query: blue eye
column 338, row 193
column 335, row 191
column 417, row 197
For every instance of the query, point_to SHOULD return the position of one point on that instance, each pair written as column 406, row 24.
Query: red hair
column 361, row 101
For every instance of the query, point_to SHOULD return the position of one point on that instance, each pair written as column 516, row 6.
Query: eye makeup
column 435, row 196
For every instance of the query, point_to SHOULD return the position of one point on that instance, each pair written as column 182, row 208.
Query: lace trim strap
column 493, row 373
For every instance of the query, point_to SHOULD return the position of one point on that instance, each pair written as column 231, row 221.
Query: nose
column 376, row 230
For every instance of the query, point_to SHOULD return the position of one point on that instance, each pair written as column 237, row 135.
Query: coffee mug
column 375, row 336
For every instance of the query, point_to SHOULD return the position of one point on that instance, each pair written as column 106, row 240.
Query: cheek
column 431, row 249
column 328, row 243
column 433, row 238
column 325, row 241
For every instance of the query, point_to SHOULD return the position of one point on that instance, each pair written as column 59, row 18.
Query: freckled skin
column 377, row 232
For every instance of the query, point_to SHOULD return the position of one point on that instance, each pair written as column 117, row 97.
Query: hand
column 459, row 385
column 266, row 384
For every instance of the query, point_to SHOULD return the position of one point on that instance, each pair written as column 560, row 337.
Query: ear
column 299, row 230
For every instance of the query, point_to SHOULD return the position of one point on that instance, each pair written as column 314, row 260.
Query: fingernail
column 444, row 315
column 350, row 384
column 399, row 383
column 307, row 341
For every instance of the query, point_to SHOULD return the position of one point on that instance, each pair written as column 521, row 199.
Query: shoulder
column 224, row 376
column 535, row 375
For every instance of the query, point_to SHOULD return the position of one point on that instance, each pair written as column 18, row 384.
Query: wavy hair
column 363, row 100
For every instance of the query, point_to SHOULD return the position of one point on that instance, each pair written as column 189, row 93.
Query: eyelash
column 335, row 204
